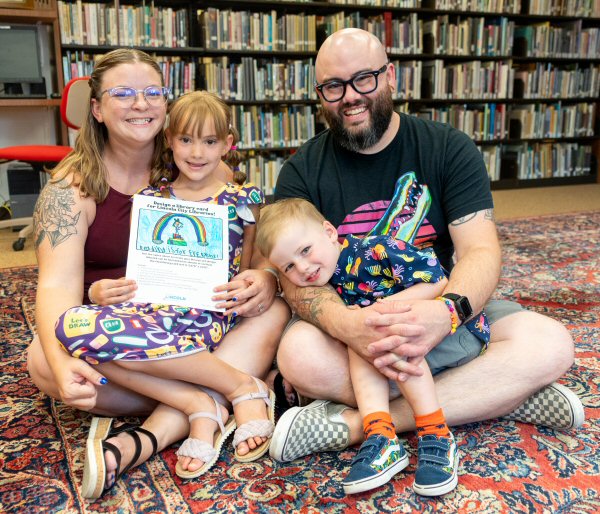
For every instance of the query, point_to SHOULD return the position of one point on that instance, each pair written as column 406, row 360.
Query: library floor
column 512, row 203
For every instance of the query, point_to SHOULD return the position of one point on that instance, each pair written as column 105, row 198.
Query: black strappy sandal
column 281, row 400
column 94, row 469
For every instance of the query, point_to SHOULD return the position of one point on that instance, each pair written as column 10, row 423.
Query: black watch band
column 461, row 304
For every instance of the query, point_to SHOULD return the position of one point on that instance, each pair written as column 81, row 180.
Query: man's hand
column 360, row 328
column 77, row 382
column 409, row 335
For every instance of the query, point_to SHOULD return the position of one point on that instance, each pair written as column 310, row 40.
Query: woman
column 81, row 226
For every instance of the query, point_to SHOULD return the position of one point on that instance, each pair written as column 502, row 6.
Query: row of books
column 492, row 6
column 480, row 122
column 150, row 26
column 258, row 79
column 400, row 35
column 525, row 161
column 548, row 81
column 545, row 160
column 472, row 36
column 468, row 80
column 293, row 80
column 489, row 122
column 278, row 126
column 563, row 7
column 569, row 39
column 406, row 4
column 100, row 24
column 262, row 169
column 551, row 120
column 241, row 30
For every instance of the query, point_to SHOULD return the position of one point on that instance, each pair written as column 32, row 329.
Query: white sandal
column 201, row 450
column 256, row 427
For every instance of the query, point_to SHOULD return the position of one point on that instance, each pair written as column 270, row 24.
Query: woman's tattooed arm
column 54, row 216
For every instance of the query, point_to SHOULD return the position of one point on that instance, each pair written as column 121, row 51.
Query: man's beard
column 381, row 108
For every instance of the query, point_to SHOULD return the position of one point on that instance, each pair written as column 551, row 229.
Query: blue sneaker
column 377, row 461
column 437, row 466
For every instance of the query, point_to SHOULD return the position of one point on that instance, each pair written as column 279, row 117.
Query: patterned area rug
column 551, row 265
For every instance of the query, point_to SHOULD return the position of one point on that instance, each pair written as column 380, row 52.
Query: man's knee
column 539, row 340
column 292, row 348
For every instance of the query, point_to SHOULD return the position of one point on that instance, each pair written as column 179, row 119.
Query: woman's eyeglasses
column 154, row 95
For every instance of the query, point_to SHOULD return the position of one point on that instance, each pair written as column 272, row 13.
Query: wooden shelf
column 516, row 183
column 29, row 102
column 26, row 15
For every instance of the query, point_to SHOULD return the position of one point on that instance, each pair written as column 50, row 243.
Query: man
column 349, row 172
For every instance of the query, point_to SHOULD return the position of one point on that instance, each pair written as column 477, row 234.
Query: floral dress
column 144, row 331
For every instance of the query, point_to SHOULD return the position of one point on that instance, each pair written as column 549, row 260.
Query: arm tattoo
column 488, row 214
column 464, row 219
column 308, row 303
column 53, row 216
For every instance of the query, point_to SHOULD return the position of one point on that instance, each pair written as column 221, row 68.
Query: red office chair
column 73, row 109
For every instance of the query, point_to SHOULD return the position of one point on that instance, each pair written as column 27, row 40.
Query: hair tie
column 164, row 179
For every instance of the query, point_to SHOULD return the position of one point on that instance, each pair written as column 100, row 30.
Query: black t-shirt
column 353, row 190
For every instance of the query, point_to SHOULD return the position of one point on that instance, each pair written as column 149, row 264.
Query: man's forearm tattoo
column 309, row 304
column 53, row 216
column 488, row 214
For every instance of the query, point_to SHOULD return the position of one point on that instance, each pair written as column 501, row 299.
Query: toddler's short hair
column 275, row 217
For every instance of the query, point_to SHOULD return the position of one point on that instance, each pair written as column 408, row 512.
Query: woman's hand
column 108, row 291
column 250, row 293
column 77, row 382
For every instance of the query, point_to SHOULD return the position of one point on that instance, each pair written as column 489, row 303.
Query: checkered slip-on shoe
column 553, row 406
column 437, row 466
column 318, row 427
column 377, row 461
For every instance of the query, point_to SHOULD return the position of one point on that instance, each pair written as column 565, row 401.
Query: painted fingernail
column 104, row 380
column 234, row 298
column 234, row 314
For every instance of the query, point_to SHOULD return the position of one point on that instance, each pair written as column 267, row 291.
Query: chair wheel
column 19, row 244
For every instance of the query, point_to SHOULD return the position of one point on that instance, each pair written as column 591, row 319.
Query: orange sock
column 432, row 424
column 379, row 423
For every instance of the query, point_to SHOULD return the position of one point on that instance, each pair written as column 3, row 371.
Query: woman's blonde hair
column 275, row 217
column 188, row 115
column 86, row 161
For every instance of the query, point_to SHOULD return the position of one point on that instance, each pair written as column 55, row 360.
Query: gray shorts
column 462, row 346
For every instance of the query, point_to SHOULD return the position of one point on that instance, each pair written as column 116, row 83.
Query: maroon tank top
column 105, row 252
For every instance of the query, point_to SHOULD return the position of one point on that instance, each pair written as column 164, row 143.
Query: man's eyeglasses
column 363, row 83
column 154, row 95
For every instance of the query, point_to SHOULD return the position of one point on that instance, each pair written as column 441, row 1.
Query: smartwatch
column 462, row 305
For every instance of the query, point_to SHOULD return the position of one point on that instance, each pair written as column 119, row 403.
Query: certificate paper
column 178, row 251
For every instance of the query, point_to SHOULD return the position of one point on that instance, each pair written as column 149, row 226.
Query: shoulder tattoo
column 54, row 216
column 464, row 219
column 488, row 214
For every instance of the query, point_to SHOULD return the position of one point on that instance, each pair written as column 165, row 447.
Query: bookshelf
column 42, row 12
column 522, row 78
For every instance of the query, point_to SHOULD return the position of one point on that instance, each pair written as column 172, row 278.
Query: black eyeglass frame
column 345, row 83
column 166, row 91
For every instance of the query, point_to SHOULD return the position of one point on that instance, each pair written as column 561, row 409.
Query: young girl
column 171, row 363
